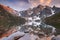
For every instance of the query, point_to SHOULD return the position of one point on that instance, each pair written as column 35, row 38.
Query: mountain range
column 10, row 17
column 39, row 10
column 52, row 14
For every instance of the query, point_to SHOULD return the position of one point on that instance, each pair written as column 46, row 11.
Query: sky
column 20, row 5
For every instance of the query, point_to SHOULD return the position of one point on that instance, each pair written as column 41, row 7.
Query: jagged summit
column 40, row 9
column 56, row 9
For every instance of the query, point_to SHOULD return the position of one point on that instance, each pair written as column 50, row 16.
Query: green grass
column 54, row 20
column 7, row 20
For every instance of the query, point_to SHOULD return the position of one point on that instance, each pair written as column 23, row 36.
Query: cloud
column 22, row 5
column 17, row 5
column 37, row 2
column 25, row 4
column 56, row 2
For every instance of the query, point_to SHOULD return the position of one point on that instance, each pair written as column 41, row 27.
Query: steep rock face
column 42, row 10
column 7, row 20
column 46, row 11
column 38, row 9
column 32, row 12
column 56, row 9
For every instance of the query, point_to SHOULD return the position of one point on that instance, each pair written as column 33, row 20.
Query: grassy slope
column 7, row 20
column 54, row 20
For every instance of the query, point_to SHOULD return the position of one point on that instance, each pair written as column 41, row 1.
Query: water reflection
column 37, row 22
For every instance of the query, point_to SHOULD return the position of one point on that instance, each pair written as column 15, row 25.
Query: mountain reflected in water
column 30, row 23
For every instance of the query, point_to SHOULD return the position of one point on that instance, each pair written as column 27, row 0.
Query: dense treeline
column 7, row 20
